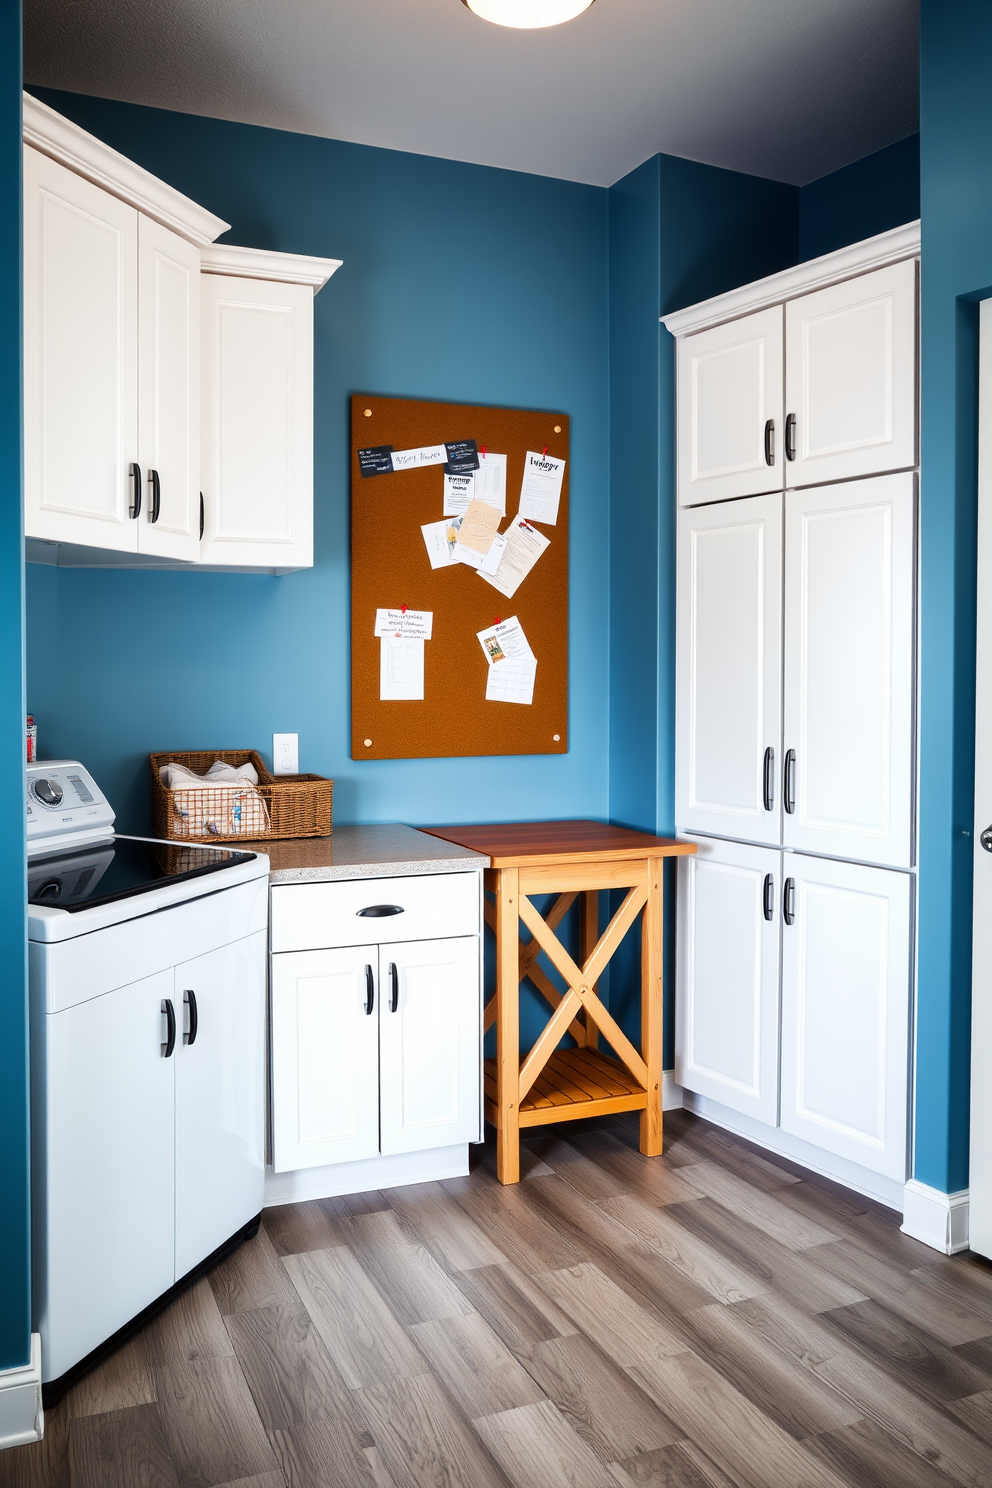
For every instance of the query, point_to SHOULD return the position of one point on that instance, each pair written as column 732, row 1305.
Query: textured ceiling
column 789, row 89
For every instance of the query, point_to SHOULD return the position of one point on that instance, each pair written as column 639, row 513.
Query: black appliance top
column 120, row 868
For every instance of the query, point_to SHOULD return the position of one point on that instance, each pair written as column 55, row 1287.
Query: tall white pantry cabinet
column 796, row 707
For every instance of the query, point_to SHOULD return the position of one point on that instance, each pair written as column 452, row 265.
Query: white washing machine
column 147, row 983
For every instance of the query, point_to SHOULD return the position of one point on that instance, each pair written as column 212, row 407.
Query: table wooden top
column 527, row 844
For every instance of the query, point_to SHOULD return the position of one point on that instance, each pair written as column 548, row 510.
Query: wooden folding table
column 573, row 860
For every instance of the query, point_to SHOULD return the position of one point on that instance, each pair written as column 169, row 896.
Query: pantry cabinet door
column 728, row 669
column 169, row 392
column 727, row 999
column 257, row 446
column 429, row 1044
column 730, row 409
column 850, row 377
column 325, row 1057
column 849, row 665
column 846, row 1010
column 80, row 358
column 220, row 1096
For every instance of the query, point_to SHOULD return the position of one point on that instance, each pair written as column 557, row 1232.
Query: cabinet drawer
column 315, row 916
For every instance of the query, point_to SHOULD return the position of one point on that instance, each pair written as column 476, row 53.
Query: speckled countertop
column 364, row 852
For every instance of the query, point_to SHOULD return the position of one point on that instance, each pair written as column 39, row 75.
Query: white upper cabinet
column 728, row 669
column 726, row 1023
column 730, row 409
column 80, row 358
column 846, row 1010
column 849, row 646
column 257, row 422
column 850, row 378
column 168, row 391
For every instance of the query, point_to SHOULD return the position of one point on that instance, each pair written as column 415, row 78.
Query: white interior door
column 257, row 422
column 727, row 1023
column 325, row 1057
column 850, row 377
column 80, row 358
column 729, row 669
column 849, row 667
column 220, row 1096
column 846, row 1010
column 730, row 409
column 169, row 392
column 109, row 1226
column 429, row 1044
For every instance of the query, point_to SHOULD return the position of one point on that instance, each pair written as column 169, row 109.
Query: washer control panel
column 65, row 802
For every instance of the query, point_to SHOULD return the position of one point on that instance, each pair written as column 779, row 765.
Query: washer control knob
column 986, row 839
column 48, row 792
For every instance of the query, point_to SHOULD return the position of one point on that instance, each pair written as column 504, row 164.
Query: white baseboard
column 672, row 1094
column 365, row 1176
column 940, row 1220
column 887, row 1191
column 22, row 1419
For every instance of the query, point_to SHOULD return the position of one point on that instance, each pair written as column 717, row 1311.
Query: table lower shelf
column 575, row 1083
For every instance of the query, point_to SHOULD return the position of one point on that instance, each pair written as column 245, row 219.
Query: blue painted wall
column 15, row 1305
column 956, row 176
column 861, row 199
column 459, row 283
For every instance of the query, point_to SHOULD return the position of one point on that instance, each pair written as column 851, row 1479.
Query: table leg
column 589, row 935
column 652, row 1006
column 508, row 1027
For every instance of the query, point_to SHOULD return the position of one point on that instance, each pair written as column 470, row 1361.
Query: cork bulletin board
column 391, row 568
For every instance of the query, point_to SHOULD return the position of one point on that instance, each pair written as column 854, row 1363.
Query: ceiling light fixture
column 528, row 14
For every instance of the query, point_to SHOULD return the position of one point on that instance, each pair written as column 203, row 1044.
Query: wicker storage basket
column 280, row 806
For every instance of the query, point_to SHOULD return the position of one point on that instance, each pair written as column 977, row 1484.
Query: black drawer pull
column 380, row 911
column 170, row 1023
column 369, row 991
column 156, row 503
column 394, row 980
column 134, row 474
column 189, row 998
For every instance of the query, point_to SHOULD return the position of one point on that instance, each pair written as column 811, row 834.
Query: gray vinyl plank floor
column 713, row 1318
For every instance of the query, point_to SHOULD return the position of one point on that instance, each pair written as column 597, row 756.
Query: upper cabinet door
column 846, row 1010
column 730, row 409
column 429, row 1044
column 850, row 380
column 325, row 1057
column 726, row 1026
column 80, row 358
column 169, row 392
column 220, row 1096
column 728, row 669
column 849, row 664
column 257, row 446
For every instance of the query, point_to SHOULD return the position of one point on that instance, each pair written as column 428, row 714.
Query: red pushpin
column 497, row 621
column 403, row 609
column 482, row 452
column 544, row 453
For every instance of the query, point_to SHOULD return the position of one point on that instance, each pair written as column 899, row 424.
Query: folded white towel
column 175, row 777
column 223, row 803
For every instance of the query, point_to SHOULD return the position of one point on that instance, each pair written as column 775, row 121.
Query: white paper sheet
column 413, row 459
column 540, row 492
column 491, row 561
column 512, row 664
column 505, row 638
column 488, row 483
column 401, row 669
column 458, row 492
column 440, row 539
column 523, row 545
column 411, row 625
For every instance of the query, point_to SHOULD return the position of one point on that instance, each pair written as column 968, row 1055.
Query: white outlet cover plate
column 285, row 754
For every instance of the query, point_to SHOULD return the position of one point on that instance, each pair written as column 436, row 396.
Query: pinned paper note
column 458, row 493
column 376, row 461
column 413, row 459
column 491, row 561
column 512, row 664
column 475, row 536
column 440, row 539
column 404, row 624
column 488, row 484
column 463, row 456
column 401, row 669
column 540, row 492
column 522, row 546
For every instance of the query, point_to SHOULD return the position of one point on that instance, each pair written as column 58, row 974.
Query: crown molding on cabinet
column 259, row 263
column 53, row 135
column 859, row 258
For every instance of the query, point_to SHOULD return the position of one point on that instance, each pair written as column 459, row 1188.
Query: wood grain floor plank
column 475, row 1366
column 312, row 1454
column 252, row 1277
column 290, row 1373
column 922, row 1297
column 634, row 1173
column 122, row 1381
column 422, row 1439
column 695, row 1141
column 690, row 1255
column 123, row 1449
column 365, row 1340
column 349, row 1206
column 867, row 1456
column 599, row 1401
column 212, row 1428
column 408, row 1276
column 681, row 1466
column 625, row 1331
column 587, row 1226
column 591, row 1179
column 976, row 1413
column 907, row 1352
column 263, row 1480
column 514, row 1306
column 537, row 1448
column 765, row 1211
column 444, row 1227
column 190, row 1328
column 648, row 1278
column 512, row 1225
column 294, row 1228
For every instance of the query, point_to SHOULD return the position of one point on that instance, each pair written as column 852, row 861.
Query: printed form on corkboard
column 459, row 580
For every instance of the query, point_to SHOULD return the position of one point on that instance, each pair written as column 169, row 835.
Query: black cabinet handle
column 789, row 784
column 369, row 991
column 170, row 1024
column 790, row 436
column 769, row 441
column 380, row 911
column 156, row 486
column 768, row 780
column 789, row 901
column 189, row 998
column 394, row 981
column 768, row 897
column 134, row 510
column 201, row 516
